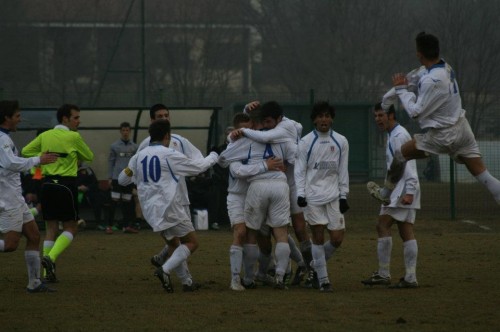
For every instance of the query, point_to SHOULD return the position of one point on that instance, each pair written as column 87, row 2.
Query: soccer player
column 437, row 107
column 120, row 153
column 59, row 189
column 268, row 198
column 237, row 190
column 404, row 201
column 15, row 216
column 281, row 130
column 322, row 180
column 157, row 170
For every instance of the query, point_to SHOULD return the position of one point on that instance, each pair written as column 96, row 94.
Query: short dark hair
column 7, row 109
column 124, row 125
column 320, row 108
column 65, row 111
column 155, row 108
column 271, row 109
column 239, row 118
column 158, row 129
column 428, row 45
column 391, row 110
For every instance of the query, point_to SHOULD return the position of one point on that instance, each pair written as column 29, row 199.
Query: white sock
column 295, row 254
column 410, row 251
column 235, row 260
column 250, row 257
column 32, row 258
column 282, row 255
column 2, row 245
column 329, row 249
column 491, row 183
column 384, row 250
column 318, row 253
column 183, row 274
column 180, row 254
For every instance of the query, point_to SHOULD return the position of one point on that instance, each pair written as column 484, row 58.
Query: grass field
column 107, row 284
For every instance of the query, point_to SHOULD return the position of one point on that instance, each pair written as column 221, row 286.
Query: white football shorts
column 456, row 141
column 236, row 208
column 12, row 220
column 399, row 214
column 267, row 201
column 327, row 214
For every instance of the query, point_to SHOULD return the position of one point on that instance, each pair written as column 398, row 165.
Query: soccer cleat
column 42, row 288
column 280, row 284
column 251, row 285
column 376, row 279
column 165, row 280
column 299, row 275
column 326, row 288
column 236, row 285
column 50, row 269
column 191, row 288
column 109, row 230
column 101, row 227
column 312, row 280
column 374, row 191
column 404, row 284
column 156, row 261
column 81, row 224
column 265, row 280
column 130, row 230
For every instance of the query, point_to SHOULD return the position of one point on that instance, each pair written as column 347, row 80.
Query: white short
column 399, row 214
column 236, row 208
column 181, row 229
column 124, row 197
column 267, row 201
column 12, row 220
column 327, row 214
column 456, row 141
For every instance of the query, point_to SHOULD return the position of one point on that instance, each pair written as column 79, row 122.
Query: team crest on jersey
column 6, row 146
column 332, row 148
column 175, row 143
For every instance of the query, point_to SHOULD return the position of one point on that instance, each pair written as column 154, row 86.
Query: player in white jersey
column 281, row 130
column 184, row 146
column 15, row 216
column 237, row 190
column 437, row 108
column 404, row 201
column 157, row 170
column 322, row 180
column 268, row 196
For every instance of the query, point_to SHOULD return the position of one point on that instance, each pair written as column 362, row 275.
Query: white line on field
column 472, row 222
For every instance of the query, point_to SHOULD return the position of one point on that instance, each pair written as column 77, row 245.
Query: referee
column 59, row 190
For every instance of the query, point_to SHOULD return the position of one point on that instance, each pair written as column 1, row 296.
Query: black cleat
column 50, row 269
column 165, row 280
column 42, row 288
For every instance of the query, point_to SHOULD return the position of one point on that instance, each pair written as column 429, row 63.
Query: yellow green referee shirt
column 68, row 144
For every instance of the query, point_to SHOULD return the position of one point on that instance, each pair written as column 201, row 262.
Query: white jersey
column 438, row 104
column 409, row 183
column 238, row 174
column 285, row 130
column 321, row 173
column 10, row 167
column 184, row 146
column 158, row 172
column 413, row 77
column 257, row 152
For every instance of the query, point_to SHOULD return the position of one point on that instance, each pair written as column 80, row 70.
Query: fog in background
column 123, row 53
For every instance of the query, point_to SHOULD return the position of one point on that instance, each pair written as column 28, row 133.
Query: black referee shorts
column 59, row 198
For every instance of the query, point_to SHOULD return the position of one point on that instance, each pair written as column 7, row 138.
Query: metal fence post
column 453, row 212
